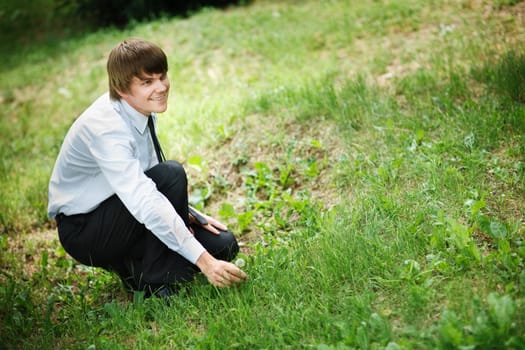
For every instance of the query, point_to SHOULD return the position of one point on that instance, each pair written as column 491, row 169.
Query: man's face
column 149, row 93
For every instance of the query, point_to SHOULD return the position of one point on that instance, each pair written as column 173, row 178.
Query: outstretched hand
column 220, row 273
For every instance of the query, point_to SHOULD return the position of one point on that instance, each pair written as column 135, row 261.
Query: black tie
column 161, row 158
column 156, row 144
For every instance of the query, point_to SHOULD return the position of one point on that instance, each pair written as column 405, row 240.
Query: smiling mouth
column 159, row 98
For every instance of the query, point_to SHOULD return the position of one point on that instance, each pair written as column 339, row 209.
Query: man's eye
column 146, row 82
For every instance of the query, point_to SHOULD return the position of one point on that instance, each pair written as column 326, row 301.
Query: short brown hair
column 133, row 58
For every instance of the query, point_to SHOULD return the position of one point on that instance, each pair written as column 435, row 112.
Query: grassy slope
column 289, row 104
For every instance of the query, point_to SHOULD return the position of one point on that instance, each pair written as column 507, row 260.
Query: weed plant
column 420, row 247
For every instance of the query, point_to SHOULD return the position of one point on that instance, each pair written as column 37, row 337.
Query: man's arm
column 139, row 194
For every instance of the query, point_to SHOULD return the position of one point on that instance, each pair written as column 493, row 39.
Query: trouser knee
column 232, row 246
column 223, row 246
column 170, row 179
column 168, row 174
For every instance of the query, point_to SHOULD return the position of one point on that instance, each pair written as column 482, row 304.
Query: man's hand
column 211, row 225
column 220, row 273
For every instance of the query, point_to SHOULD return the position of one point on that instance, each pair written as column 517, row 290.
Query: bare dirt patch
column 274, row 141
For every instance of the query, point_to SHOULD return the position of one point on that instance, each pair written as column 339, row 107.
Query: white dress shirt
column 106, row 152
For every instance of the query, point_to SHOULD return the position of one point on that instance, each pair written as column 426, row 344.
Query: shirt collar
column 139, row 120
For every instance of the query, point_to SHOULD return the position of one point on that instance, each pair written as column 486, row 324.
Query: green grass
column 370, row 156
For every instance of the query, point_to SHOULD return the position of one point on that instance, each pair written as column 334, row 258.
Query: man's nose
column 162, row 85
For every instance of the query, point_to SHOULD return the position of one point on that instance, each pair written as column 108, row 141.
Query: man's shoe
column 165, row 291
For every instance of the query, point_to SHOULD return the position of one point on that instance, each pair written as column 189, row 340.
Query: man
column 117, row 204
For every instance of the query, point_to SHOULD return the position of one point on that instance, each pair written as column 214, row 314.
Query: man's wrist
column 205, row 261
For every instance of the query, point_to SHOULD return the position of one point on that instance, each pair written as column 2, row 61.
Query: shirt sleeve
column 116, row 156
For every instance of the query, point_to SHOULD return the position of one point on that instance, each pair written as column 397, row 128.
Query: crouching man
column 118, row 204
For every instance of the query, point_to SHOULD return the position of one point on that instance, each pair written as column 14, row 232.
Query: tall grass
column 424, row 248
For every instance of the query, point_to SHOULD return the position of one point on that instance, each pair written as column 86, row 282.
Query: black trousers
column 111, row 238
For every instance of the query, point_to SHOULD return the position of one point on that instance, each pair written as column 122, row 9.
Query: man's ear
column 122, row 95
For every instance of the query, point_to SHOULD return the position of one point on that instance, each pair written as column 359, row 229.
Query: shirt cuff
column 191, row 249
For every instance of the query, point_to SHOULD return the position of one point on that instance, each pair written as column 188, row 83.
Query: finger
column 218, row 281
column 237, row 275
column 217, row 223
column 212, row 229
column 236, row 279
column 225, row 281
column 220, row 225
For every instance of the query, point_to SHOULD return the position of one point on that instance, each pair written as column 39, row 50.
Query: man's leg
column 162, row 265
column 106, row 237
column 170, row 178
column 222, row 246
column 110, row 237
